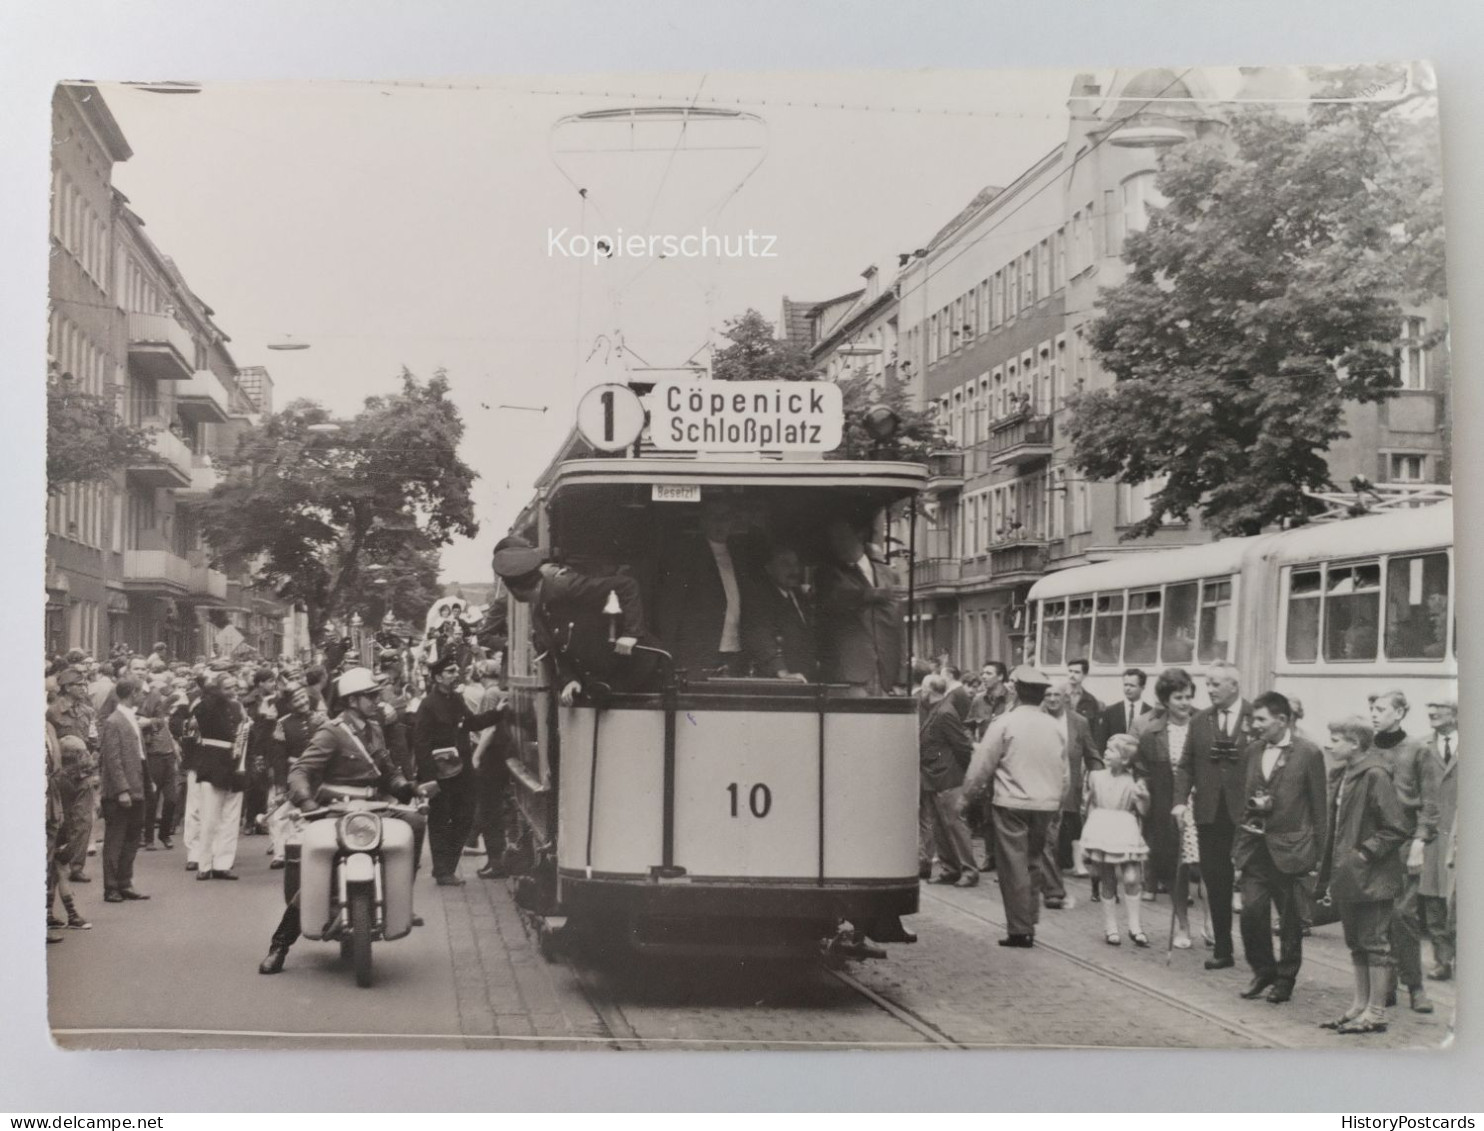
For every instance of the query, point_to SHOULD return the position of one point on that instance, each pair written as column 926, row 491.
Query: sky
column 432, row 225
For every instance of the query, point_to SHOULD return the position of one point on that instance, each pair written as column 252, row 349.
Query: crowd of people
column 154, row 750
column 1235, row 799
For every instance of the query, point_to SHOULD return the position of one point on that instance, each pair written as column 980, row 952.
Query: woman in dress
column 1111, row 844
column 1159, row 745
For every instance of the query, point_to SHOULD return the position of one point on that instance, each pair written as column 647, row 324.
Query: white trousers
column 191, row 824
column 221, row 821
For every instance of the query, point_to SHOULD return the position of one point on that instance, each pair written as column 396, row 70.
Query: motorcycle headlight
column 360, row 832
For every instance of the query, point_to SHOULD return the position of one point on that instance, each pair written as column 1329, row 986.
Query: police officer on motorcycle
column 348, row 750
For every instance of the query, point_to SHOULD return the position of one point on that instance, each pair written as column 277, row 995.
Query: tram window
column 1352, row 612
column 1417, row 607
column 1053, row 632
column 1079, row 628
column 1305, row 589
column 1107, row 632
column 1141, row 630
column 1177, row 641
column 1216, row 621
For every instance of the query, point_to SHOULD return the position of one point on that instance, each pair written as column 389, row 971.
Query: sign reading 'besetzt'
column 746, row 416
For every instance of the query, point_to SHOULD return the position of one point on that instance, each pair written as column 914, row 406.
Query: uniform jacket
column 120, row 758
column 443, row 720
column 1416, row 791
column 1294, row 830
column 1366, row 828
column 1216, row 780
column 334, row 757
column 776, row 634
column 944, row 748
column 1082, row 758
column 691, row 602
column 217, row 719
column 1023, row 754
column 1441, row 783
column 860, row 627
column 571, row 629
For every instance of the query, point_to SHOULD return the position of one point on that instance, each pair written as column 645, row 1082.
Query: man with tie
column 860, row 624
column 1283, row 827
column 121, row 766
column 1210, row 777
column 1119, row 717
column 1434, row 883
column 776, row 631
column 1411, row 765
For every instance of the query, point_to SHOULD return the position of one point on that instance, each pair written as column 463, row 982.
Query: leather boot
column 273, row 964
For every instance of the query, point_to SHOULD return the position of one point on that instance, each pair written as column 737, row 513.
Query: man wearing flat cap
column 585, row 627
column 1024, row 754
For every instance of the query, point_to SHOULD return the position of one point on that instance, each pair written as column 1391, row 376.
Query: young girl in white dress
column 1111, row 843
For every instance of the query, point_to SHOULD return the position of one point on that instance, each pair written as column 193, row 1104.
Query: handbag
column 1324, row 911
column 447, row 762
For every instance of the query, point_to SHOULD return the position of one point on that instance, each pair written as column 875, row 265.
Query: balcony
column 205, row 400
column 945, row 471
column 1020, row 440
column 204, row 478
column 160, row 347
column 157, row 571
column 169, row 465
column 208, row 583
column 1019, row 561
column 936, row 573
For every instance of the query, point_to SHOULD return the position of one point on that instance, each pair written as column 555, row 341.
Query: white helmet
column 357, row 681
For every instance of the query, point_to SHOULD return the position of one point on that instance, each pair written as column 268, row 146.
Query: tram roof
column 877, row 475
column 1418, row 528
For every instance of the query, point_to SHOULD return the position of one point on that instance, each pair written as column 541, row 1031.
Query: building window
column 1411, row 359
column 1059, row 258
column 1045, row 285
column 1135, row 501
column 1139, row 195
column 1408, row 468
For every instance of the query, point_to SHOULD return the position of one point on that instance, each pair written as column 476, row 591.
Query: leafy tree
column 312, row 507
column 86, row 440
column 407, row 584
column 1260, row 299
column 756, row 355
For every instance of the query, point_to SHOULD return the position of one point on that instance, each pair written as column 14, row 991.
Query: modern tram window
column 1305, row 595
column 1053, row 632
column 1216, row 621
column 1079, row 628
column 1352, row 611
column 1417, row 607
column 1177, row 641
column 1107, row 631
column 1141, row 629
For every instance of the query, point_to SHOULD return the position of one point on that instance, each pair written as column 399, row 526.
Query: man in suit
column 121, row 768
column 1210, row 775
column 777, row 633
column 1278, row 843
column 1435, row 883
column 1119, row 717
column 1082, row 758
column 860, row 622
column 1084, row 702
column 699, row 595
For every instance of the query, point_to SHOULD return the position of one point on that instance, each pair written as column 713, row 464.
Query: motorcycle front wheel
column 360, row 933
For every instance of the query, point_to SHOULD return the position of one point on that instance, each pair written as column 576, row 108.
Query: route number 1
column 759, row 799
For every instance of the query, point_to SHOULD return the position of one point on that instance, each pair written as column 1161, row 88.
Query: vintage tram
column 712, row 813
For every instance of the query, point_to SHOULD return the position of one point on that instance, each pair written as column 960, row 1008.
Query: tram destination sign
column 746, row 416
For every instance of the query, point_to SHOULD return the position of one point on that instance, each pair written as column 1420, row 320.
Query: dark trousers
column 123, row 824
column 159, row 796
column 450, row 819
column 1367, row 927
column 1263, row 887
column 1020, row 837
column 1215, row 841
column 1050, row 871
column 1067, row 835
column 81, row 810
column 1406, row 931
column 494, row 776
column 1437, row 919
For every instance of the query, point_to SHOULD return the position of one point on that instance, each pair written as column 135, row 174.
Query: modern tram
column 715, row 814
column 1329, row 613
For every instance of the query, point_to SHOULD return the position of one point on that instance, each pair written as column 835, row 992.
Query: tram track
column 1235, row 1026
